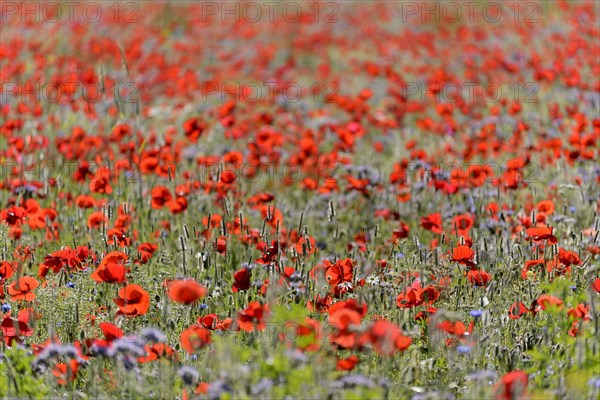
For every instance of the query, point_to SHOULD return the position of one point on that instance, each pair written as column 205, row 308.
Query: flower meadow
column 234, row 200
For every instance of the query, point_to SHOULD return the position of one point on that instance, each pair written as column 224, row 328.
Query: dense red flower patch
column 396, row 196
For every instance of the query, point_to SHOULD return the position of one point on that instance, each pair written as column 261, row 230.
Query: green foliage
column 17, row 378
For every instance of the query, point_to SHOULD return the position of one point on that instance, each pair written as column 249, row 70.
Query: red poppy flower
column 432, row 222
column 463, row 255
column 13, row 328
column 546, row 301
column 66, row 372
column 253, row 317
column 96, row 219
column 568, row 258
column 7, row 269
column 320, row 303
column 386, row 337
column 339, row 273
column 575, row 327
column 517, row 310
column 212, row 322
column 402, row 232
column 222, row 244
column 228, row 177
column 177, row 205
column 306, row 247
column 157, row 351
column 110, row 331
column 511, row 386
column 305, row 335
column 463, row 224
column 347, row 364
column 118, row 236
column 109, row 273
column 345, row 321
column 545, row 206
column 160, row 196
column 544, row 233
column 428, row 295
column 456, row 328
column 186, row 291
column 117, row 257
column 241, row 280
column 350, row 304
column 410, row 297
column 101, row 181
column 596, row 285
column 194, row 338
column 580, row 312
column 23, row 288
column 73, row 259
column 193, row 128
column 343, row 318
column 85, row 201
column 424, row 315
column 273, row 216
column 269, row 252
column 146, row 250
column 13, row 216
column 133, row 300
column 529, row 264
column 479, row 278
